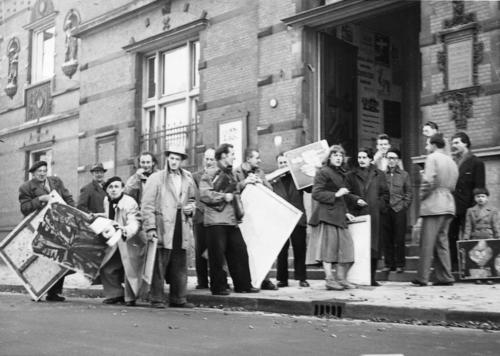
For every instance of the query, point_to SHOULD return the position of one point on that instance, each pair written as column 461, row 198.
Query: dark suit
column 285, row 188
column 200, row 238
column 471, row 175
column 91, row 198
column 28, row 198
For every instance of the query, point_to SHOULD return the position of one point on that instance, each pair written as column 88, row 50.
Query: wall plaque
column 460, row 64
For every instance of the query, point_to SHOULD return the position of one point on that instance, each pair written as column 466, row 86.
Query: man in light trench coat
column 168, row 204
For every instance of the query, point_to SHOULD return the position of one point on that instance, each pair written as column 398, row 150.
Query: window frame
column 36, row 68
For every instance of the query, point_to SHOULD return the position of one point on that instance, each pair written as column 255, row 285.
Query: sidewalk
column 393, row 301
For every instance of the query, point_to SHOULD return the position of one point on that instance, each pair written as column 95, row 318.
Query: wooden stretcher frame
column 38, row 274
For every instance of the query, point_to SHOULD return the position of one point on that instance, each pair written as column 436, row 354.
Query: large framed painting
column 479, row 259
column 38, row 274
column 304, row 161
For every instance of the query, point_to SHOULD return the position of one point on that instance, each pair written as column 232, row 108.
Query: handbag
column 239, row 212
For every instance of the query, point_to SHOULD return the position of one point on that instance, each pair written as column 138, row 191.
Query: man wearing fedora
column 92, row 195
column 33, row 196
column 135, row 184
column 168, row 204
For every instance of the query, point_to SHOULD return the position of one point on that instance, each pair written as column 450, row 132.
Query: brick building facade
column 85, row 82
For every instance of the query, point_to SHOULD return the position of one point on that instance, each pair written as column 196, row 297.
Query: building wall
column 483, row 127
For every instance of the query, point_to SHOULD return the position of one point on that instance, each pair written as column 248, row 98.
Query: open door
column 338, row 94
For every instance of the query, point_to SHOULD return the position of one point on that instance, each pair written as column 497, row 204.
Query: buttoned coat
column 471, row 175
column 160, row 204
column 91, row 198
column 32, row 189
column 438, row 181
column 330, row 209
column 127, row 215
column 482, row 223
column 374, row 191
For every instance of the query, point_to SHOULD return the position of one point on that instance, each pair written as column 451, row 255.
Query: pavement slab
column 390, row 301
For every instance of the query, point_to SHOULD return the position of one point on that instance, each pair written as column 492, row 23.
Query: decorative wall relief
column 13, row 49
column 40, row 9
column 38, row 101
column 459, row 61
column 71, row 23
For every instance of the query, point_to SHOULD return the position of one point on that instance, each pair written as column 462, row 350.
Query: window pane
column 43, row 54
column 151, row 77
column 195, row 59
column 175, row 116
column 175, row 71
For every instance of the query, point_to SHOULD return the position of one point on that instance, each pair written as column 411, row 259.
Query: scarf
column 112, row 206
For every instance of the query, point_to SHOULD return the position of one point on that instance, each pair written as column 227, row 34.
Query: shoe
column 417, row 283
column 115, row 300
column 387, row 269
column 489, row 282
column 282, row 284
column 400, row 269
column 250, row 290
column 438, row 283
column 158, row 305
column 478, row 281
column 375, row 284
column 348, row 285
column 268, row 285
column 54, row 298
column 303, row 283
column 222, row 292
column 201, row 286
column 130, row 303
column 181, row 305
column 332, row 284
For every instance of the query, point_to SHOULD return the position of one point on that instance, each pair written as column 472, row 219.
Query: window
column 41, row 155
column 42, row 64
column 171, row 89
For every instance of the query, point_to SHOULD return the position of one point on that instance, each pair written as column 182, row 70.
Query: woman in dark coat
column 369, row 183
column 330, row 240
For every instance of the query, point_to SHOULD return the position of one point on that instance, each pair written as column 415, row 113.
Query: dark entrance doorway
column 338, row 84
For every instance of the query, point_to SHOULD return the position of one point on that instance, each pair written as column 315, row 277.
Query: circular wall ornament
column 273, row 103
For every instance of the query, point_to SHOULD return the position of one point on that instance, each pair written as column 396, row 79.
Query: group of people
column 168, row 206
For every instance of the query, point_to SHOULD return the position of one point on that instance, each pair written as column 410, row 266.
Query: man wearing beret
column 33, row 196
column 92, row 195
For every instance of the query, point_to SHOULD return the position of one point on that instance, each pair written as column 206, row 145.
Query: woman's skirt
column 329, row 243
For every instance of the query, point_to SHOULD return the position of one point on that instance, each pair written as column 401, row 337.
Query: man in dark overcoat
column 285, row 188
column 471, row 175
column 92, row 195
column 33, row 196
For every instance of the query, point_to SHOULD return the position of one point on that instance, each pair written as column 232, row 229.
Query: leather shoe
column 115, row 300
column 268, row 285
column 282, row 284
column 130, row 303
column 181, row 305
column 249, row 290
column 387, row 269
column 158, row 305
column 439, row 283
column 375, row 284
column 55, row 298
column 221, row 292
column 400, row 270
column 417, row 283
column 200, row 286
column 303, row 283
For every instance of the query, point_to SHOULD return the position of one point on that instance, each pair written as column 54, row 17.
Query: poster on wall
column 382, row 46
column 234, row 132
column 479, row 259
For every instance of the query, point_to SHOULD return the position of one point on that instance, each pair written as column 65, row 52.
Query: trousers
column 298, row 239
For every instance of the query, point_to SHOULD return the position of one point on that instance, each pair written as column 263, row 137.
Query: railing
column 181, row 136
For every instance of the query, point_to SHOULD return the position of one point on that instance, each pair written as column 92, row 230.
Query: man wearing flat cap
column 92, row 195
column 33, row 196
column 167, row 206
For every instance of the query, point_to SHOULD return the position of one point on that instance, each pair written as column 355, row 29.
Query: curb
column 322, row 308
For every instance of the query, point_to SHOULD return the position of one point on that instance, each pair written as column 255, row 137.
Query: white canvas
column 361, row 236
column 268, row 222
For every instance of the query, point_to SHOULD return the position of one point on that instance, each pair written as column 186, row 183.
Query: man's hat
column 98, row 167
column 180, row 150
column 111, row 180
column 37, row 165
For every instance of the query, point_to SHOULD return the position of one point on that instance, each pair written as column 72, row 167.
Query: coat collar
column 481, row 212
